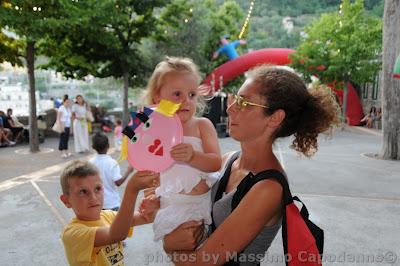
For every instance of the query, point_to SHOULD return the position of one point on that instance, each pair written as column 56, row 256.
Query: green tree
column 29, row 21
column 266, row 21
column 194, row 28
column 341, row 47
column 102, row 39
column 180, row 32
column 9, row 49
column 390, row 86
column 227, row 20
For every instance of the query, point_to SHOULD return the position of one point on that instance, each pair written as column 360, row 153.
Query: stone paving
column 353, row 197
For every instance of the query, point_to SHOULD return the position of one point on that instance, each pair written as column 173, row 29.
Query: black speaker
column 221, row 130
column 216, row 110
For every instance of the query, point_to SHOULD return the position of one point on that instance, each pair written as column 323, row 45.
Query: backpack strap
column 225, row 178
column 317, row 232
column 304, row 212
column 250, row 180
column 223, row 182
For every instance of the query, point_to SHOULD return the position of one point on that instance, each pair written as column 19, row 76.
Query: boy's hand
column 143, row 179
column 129, row 169
column 183, row 152
column 149, row 207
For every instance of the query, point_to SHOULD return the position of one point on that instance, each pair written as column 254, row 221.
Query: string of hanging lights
column 246, row 22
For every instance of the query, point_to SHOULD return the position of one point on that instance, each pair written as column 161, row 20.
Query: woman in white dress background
column 80, row 125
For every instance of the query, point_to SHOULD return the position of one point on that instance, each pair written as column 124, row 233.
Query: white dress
column 81, row 132
column 177, row 208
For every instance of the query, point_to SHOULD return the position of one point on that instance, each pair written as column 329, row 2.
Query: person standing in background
column 118, row 134
column 110, row 172
column 80, row 125
column 131, row 107
column 64, row 116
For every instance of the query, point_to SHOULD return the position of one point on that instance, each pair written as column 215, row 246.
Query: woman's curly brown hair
column 307, row 112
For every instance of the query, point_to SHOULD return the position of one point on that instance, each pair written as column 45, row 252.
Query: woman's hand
column 184, row 237
column 182, row 152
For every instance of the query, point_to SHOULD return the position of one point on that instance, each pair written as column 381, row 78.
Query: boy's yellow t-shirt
column 78, row 238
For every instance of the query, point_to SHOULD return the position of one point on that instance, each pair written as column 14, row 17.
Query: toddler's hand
column 182, row 152
column 150, row 191
column 149, row 207
column 143, row 179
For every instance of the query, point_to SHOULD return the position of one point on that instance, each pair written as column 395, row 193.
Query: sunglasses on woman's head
column 242, row 103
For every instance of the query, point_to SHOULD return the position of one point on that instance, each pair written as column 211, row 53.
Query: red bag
column 302, row 240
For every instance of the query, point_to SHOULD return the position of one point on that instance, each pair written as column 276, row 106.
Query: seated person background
column 369, row 118
column 5, row 134
column 14, row 125
column 379, row 114
column 377, row 123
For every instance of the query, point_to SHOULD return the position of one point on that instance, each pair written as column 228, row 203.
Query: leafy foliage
column 266, row 29
column 341, row 46
column 9, row 50
column 227, row 21
column 102, row 38
column 29, row 21
column 22, row 22
column 193, row 29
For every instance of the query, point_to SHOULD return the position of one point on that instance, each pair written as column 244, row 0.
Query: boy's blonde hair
column 169, row 65
column 76, row 169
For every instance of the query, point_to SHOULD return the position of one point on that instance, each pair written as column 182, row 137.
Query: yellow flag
column 124, row 149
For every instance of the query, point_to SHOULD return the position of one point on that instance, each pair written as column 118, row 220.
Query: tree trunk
column 33, row 129
column 390, row 86
column 125, row 114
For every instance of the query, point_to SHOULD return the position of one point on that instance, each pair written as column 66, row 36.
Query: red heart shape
column 160, row 151
column 153, row 147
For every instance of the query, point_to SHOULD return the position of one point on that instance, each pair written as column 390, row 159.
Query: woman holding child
column 272, row 103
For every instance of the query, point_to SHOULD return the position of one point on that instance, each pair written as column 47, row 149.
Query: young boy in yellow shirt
column 94, row 236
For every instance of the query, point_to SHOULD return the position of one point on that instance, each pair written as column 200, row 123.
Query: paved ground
column 355, row 198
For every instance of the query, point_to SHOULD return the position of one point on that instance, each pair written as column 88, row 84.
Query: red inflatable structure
column 354, row 112
column 276, row 56
column 231, row 69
